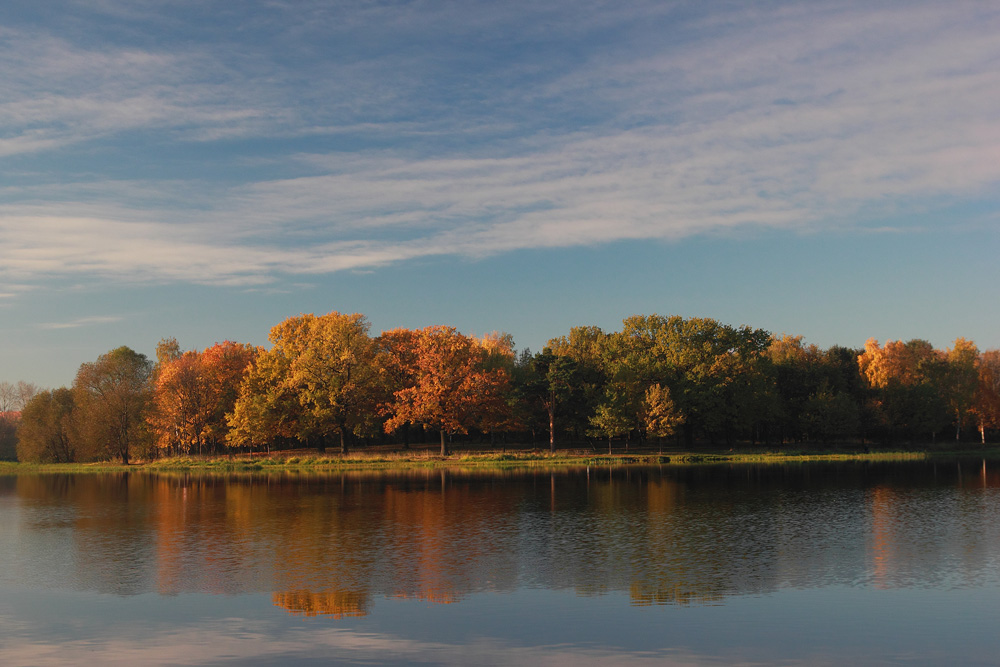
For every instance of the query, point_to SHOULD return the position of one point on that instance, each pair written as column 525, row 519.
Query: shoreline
column 416, row 460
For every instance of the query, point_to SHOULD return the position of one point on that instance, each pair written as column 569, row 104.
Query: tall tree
column 960, row 381
column 112, row 395
column 321, row 378
column 453, row 388
column 550, row 380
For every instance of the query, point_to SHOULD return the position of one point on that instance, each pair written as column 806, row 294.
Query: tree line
column 326, row 381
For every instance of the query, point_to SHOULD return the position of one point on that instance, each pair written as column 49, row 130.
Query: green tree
column 582, row 353
column 614, row 416
column 550, row 380
column 960, row 380
column 713, row 370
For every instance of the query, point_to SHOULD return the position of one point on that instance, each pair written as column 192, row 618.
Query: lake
column 821, row 564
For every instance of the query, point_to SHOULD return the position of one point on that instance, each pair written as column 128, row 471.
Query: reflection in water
column 333, row 545
column 338, row 604
column 721, row 564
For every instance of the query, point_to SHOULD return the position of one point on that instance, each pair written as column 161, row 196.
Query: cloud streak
column 799, row 117
column 81, row 322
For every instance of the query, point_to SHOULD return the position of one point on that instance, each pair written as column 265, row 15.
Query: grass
column 518, row 458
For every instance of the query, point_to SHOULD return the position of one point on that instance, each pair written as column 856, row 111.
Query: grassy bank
column 310, row 461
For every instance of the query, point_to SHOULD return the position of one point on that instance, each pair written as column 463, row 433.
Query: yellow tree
column 265, row 409
column 907, row 380
column 321, row 377
column 452, row 388
column 661, row 415
column 223, row 366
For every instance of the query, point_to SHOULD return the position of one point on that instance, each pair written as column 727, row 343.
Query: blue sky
column 205, row 169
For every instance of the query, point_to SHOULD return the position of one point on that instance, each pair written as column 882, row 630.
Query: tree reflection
column 332, row 545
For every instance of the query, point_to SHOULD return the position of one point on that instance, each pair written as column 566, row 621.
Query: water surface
column 816, row 564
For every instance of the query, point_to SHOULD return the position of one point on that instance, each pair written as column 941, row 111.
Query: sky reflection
column 819, row 564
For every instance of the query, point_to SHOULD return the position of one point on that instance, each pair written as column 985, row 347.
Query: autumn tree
column 986, row 405
column 223, row 366
column 46, row 433
column 498, row 355
column 179, row 414
column 398, row 351
column 112, row 395
column 661, row 416
column 452, row 387
column 194, row 391
column 326, row 370
column 167, row 350
column 266, row 410
column 906, row 379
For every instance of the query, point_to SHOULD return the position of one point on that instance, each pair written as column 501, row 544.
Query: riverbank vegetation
column 308, row 461
column 661, row 386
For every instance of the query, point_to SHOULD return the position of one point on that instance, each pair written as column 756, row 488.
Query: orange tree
column 453, row 386
column 194, row 391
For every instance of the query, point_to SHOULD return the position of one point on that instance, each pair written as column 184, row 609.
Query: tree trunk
column 444, row 444
column 552, row 426
column 343, row 440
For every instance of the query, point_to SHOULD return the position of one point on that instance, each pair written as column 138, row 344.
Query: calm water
column 816, row 564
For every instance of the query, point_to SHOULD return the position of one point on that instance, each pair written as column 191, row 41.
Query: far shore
column 511, row 458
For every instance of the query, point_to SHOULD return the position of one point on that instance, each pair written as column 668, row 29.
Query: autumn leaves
column 326, row 378
column 326, row 381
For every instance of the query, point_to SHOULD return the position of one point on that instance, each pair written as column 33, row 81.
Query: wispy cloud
column 246, row 640
column 81, row 322
column 795, row 116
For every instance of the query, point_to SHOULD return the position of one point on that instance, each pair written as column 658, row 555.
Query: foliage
column 193, row 393
column 907, row 379
column 453, row 388
column 47, row 432
column 322, row 377
column 112, row 396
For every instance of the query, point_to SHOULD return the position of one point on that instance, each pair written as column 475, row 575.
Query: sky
column 204, row 169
